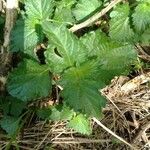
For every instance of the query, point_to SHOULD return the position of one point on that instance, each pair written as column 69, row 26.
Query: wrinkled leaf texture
column 141, row 16
column 120, row 29
column 10, row 124
column 29, row 81
column 70, row 51
column 28, row 32
column 80, row 124
column 85, row 7
column 114, row 56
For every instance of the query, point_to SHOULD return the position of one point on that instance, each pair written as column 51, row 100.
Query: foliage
column 10, row 124
column 81, row 124
column 81, row 64
column 119, row 24
column 81, row 10
column 141, row 18
column 29, row 73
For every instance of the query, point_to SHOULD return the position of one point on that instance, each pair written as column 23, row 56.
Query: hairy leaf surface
column 80, row 124
column 141, row 16
column 39, row 9
column 115, row 57
column 10, row 124
column 25, row 36
column 29, row 81
column 56, row 113
column 120, row 29
column 63, row 13
column 70, row 50
column 85, row 8
column 81, row 89
column 145, row 37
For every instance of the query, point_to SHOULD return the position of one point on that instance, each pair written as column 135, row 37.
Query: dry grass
column 126, row 114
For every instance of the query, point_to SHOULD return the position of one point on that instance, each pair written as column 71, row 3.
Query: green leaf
column 70, row 50
column 81, row 87
column 10, row 124
column 56, row 113
column 141, row 16
column 28, row 32
column 80, row 124
column 2, row 20
column 84, row 8
column 22, row 1
column 39, row 9
column 94, row 42
column 44, row 113
column 120, row 29
column 146, row 1
column 63, row 13
column 115, row 57
column 66, row 113
column 26, row 35
column 30, row 81
column 17, row 107
column 145, row 37
column 12, row 106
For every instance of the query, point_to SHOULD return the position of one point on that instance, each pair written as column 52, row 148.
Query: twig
column 6, row 56
column 41, row 142
column 11, row 14
column 1, row 5
column 142, row 129
column 95, row 17
column 80, row 141
column 108, row 98
column 112, row 133
column 135, row 83
column 143, row 54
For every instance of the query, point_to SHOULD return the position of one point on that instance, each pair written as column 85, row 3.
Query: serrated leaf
column 94, row 42
column 80, row 124
column 25, row 36
column 69, row 49
column 66, row 113
column 28, row 33
column 39, row 9
column 146, row 1
column 29, row 81
column 81, row 89
column 44, row 113
column 84, row 8
column 10, row 124
column 141, row 16
column 120, row 29
column 145, row 37
column 115, row 57
column 63, row 13
column 55, row 113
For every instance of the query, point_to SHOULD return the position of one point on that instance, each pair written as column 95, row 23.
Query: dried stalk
column 95, row 17
column 6, row 56
column 11, row 15
column 112, row 133
column 144, row 125
column 1, row 5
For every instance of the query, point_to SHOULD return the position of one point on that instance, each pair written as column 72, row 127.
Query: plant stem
column 11, row 14
column 95, row 17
